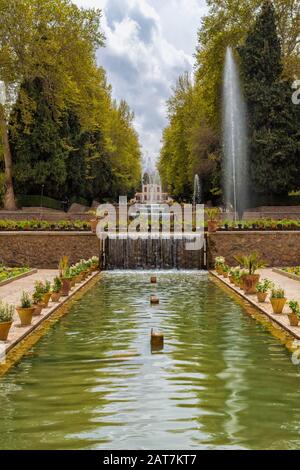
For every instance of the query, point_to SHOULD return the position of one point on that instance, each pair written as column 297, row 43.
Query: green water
column 222, row 381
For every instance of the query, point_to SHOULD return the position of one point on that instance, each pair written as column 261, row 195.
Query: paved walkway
column 11, row 293
column 292, row 290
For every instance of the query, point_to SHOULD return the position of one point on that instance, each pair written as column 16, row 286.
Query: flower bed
column 43, row 225
column 7, row 274
column 294, row 270
column 292, row 273
column 261, row 224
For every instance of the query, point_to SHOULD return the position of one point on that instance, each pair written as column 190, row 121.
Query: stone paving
column 292, row 290
column 11, row 293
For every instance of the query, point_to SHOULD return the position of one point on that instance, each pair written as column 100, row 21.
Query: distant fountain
column 197, row 191
column 235, row 163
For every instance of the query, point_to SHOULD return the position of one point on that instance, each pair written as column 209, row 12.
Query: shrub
column 26, row 301
column 6, row 312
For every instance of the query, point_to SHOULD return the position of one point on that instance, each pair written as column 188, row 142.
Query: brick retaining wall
column 277, row 248
column 44, row 249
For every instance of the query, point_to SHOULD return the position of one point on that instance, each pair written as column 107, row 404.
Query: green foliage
column 294, row 306
column 6, row 312
column 273, row 118
column 251, row 263
column 36, row 201
column 65, row 131
column 191, row 141
column 26, row 301
column 57, row 285
column 277, row 293
column 264, row 286
column 190, row 145
column 10, row 273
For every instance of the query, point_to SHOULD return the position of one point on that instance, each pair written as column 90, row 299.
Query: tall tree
column 273, row 118
column 51, row 40
column 227, row 24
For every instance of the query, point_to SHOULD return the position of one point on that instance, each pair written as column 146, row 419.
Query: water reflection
column 221, row 380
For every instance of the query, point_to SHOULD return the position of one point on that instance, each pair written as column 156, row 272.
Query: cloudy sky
column 148, row 44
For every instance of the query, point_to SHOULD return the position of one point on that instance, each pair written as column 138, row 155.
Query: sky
column 149, row 43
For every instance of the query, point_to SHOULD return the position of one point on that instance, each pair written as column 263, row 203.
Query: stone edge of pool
column 281, row 320
column 16, row 349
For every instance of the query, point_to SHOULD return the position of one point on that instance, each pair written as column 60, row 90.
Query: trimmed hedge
column 35, row 201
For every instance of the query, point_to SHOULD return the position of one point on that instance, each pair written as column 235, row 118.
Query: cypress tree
column 273, row 118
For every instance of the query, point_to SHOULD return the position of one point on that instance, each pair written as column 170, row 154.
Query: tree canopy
column 61, row 127
column 192, row 140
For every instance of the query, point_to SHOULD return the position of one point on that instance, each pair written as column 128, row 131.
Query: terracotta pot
column 153, row 280
column 231, row 279
column 25, row 315
column 55, row 296
column 4, row 330
column 212, row 225
column 294, row 320
column 250, row 282
column 219, row 270
column 261, row 297
column 38, row 309
column 46, row 298
column 72, row 283
column 78, row 279
column 225, row 275
column 278, row 305
column 66, row 286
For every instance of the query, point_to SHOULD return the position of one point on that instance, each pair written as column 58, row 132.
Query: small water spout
column 235, row 161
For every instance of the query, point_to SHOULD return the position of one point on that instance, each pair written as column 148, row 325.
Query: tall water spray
column 235, row 161
column 197, row 191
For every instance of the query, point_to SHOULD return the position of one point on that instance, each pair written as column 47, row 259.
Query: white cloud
column 148, row 44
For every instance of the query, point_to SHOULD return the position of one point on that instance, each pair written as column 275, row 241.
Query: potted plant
column 236, row 274
column 263, row 288
column 278, row 300
column 226, row 270
column 6, row 319
column 64, row 274
column 56, row 289
column 66, row 283
column 294, row 315
column 243, row 275
column 231, row 275
column 38, row 299
column 26, row 309
column 45, row 289
column 95, row 263
column 213, row 216
column 219, row 264
column 251, row 263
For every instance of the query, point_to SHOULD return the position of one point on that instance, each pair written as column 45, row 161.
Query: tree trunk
column 9, row 198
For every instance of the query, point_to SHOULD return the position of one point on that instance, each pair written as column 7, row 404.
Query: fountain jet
column 235, row 159
column 197, row 191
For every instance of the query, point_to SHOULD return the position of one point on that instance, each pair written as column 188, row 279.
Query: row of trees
column 265, row 38
column 60, row 126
